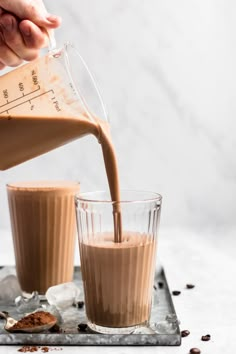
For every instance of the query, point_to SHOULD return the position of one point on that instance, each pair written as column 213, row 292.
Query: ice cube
column 27, row 304
column 168, row 326
column 5, row 271
column 9, row 288
column 63, row 295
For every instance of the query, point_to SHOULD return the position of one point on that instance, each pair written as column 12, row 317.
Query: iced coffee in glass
column 43, row 226
column 118, row 275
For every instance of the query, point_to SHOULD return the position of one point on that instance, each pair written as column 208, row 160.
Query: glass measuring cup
column 45, row 104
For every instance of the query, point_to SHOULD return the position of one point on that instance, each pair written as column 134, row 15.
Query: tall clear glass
column 118, row 277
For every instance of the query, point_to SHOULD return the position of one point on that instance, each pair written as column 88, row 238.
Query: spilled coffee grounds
column 31, row 349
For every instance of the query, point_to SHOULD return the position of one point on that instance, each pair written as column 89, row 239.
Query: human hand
column 24, row 26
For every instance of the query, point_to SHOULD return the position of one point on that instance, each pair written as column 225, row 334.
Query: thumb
column 33, row 10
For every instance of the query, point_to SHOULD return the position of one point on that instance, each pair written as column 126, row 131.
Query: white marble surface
column 188, row 257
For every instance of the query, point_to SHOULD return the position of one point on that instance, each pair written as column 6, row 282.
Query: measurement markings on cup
column 5, row 94
column 7, row 109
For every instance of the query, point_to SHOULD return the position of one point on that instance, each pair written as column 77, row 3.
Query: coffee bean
column 185, row 333
column 206, row 337
column 154, row 287
column 195, row 351
column 55, row 329
column 82, row 327
column 80, row 304
column 176, row 292
column 190, row 286
column 160, row 285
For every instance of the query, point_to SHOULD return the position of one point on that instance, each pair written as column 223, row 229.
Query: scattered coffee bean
column 206, row 337
column 195, row 351
column 82, row 327
column 176, row 292
column 185, row 333
column 55, row 329
column 154, row 287
column 160, row 285
column 80, row 304
column 190, row 286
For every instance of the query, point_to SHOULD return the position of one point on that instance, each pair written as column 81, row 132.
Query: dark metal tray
column 164, row 327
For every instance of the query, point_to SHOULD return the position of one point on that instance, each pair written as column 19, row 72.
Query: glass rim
column 84, row 197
